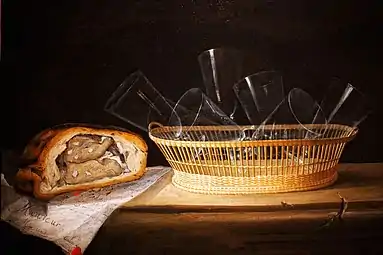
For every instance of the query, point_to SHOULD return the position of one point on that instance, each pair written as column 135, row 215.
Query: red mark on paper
column 76, row 251
column 76, row 193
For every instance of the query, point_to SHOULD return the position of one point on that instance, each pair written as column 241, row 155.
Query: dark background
column 61, row 60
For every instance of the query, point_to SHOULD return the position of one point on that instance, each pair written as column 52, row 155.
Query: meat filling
column 88, row 158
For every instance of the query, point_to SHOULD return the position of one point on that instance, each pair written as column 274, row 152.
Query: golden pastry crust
column 40, row 168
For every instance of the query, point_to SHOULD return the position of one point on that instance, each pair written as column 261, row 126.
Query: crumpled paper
column 71, row 221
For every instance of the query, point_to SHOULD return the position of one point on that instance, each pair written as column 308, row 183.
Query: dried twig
column 330, row 220
column 285, row 204
column 343, row 207
column 339, row 215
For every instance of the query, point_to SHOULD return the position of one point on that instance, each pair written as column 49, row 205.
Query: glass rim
column 317, row 110
column 222, row 49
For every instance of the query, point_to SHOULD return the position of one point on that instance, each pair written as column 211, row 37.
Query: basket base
column 227, row 185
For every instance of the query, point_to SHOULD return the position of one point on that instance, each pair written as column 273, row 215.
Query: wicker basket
column 263, row 166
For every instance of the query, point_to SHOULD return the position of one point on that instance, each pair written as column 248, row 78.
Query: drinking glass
column 139, row 103
column 345, row 104
column 221, row 68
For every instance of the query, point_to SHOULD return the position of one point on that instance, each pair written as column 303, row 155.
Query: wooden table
column 166, row 220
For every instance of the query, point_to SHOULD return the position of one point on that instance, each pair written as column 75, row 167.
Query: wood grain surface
column 356, row 182
column 299, row 232
column 165, row 220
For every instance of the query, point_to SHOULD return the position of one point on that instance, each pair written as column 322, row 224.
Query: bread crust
column 38, row 154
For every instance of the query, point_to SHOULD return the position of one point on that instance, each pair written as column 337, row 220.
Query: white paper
column 71, row 221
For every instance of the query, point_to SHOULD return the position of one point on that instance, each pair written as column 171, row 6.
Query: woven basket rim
column 280, row 142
